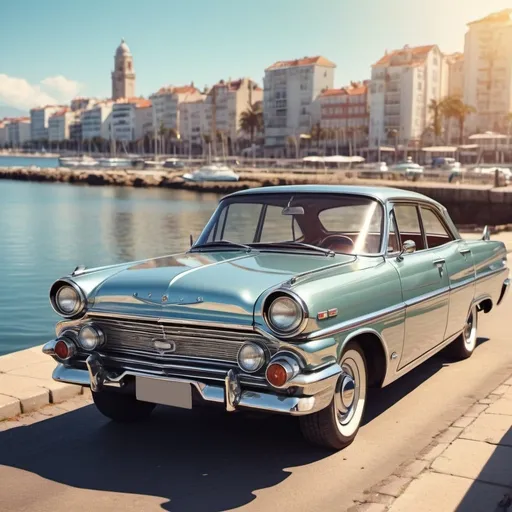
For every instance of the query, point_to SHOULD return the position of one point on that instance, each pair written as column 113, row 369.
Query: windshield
column 346, row 224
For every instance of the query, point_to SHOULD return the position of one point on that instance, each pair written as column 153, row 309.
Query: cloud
column 19, row 93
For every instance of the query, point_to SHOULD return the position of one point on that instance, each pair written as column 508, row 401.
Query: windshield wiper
column 327, row 252
column 222, row 243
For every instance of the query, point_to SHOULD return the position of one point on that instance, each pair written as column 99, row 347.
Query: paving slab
column 22, row 358
column 27, row 391
column 9, row 407
column 433, row 492
column 490, row 428
column 392, row 486
column 476, row 460
column 501, row 406
column 463, row 422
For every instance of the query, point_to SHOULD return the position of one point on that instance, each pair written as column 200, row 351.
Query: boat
column 213, row 172
column 78, row 161
column 115, row 162
column 173, row 163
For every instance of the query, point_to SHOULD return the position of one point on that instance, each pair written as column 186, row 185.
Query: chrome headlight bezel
column 79, row 309
column 99, row 335
column 302, row 315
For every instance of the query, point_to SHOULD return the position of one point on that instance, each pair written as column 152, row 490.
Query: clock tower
column 123, row 76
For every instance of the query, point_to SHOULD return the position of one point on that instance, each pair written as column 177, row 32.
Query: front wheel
column 336, row 426
column 464, row 346
column 121, row 408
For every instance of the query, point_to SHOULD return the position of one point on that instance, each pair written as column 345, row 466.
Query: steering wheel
column 337, row 243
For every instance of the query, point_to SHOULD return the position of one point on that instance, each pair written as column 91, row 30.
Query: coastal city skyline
column 56, row 73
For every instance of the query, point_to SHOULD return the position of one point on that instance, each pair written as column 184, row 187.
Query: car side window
column 435, row 231
column 408, row 224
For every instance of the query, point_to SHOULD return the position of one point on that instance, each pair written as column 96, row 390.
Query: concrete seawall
column 467, row 204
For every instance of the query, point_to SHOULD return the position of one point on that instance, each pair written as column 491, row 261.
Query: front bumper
column 316, row 388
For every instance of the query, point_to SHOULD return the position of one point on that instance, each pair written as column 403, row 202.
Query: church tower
column 123, row 76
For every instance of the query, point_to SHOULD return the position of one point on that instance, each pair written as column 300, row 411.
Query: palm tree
column 162, row 134
column 436, row 108
column 317, row 134
column 392, row 133
column 454, row 107
column 251, row 120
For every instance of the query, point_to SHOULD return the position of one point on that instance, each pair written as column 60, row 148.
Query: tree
column 454, row 108
column 251, row 120
column 317, row 134
column 436, row 107
column 392, row 133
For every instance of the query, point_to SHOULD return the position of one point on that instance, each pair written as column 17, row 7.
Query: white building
column 195, row 120
column 96, row 121
column 455, row 66
column 488, row 71
column 39, row 119
column 290, row 90
column 166, row 105
column 18, row 131
column 131, row 119
column 403, row 84
column 59, row 123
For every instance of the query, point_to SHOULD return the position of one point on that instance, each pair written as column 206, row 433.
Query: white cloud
column 19, row 93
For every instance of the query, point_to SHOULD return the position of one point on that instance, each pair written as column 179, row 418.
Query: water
column 46, row 230
column 26, row 161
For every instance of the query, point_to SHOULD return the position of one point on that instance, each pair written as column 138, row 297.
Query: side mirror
column 486, row 235
column 408, row 247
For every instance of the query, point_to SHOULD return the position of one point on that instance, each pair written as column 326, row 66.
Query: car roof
column 381, row 193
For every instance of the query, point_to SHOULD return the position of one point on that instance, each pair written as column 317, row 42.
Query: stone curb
column 26, row 383
column 441, row 456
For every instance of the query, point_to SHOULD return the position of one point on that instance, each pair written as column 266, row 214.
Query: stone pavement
column 467, row 468
column 26, row 383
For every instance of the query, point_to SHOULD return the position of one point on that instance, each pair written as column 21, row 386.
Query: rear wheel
column 336, row 426
column 464, row 346
column 120, row 407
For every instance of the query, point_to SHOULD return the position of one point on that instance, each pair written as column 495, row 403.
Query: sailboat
column 113, row 161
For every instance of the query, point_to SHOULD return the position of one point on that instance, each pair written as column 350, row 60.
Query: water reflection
column 48, row 229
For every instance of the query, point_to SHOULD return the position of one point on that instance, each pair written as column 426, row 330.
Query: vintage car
column 293, row 300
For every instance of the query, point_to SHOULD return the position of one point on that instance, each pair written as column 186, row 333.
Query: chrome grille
column 190, row 341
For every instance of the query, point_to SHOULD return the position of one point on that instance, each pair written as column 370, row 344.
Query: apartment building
column 166, row 105
column 39, row 121
column 488, row 71
column 195, row 120
column 18, row 131
column 3, row 132
column 131, row 119
column 290, row 90
column 96, row 121
column 403, row 84
column 455, row 67
column 59, row 124
column 344, row 115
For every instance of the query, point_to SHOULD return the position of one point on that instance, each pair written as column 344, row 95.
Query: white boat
column 214, row 172
column 115, row 162
column 78, row 161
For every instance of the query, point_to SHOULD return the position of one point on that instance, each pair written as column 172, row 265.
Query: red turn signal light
column 64, row 349
column 277, row 375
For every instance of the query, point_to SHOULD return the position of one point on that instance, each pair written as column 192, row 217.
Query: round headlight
column 68, row 300
column 251, row 357
column 90, row 337
column 285, row 314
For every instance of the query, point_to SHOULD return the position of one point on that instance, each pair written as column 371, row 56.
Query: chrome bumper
column 504, row 290
column 317, row 388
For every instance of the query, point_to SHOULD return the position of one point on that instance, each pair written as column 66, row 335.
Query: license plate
column 164, row 392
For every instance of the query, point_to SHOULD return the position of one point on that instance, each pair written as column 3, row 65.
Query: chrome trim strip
column 504, row 290
column 348, row 324
column 464, row 282
column 427, row 296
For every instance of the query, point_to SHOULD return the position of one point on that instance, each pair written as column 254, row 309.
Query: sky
column 54, row 50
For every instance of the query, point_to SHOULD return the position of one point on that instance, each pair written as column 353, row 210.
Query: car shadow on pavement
column 204, row 459
column 381, row 399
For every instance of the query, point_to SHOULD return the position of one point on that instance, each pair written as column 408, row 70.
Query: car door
column 457, row 261
column 425, row 290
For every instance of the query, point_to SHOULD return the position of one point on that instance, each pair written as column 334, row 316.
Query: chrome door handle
column 465, row 251
column 439, row 263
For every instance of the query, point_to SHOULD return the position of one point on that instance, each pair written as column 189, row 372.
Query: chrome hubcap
column 348, row 392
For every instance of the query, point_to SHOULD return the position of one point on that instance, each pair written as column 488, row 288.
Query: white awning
column 440, row 149
column 487, row 136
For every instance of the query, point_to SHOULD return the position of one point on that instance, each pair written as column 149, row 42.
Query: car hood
column 218, row 286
